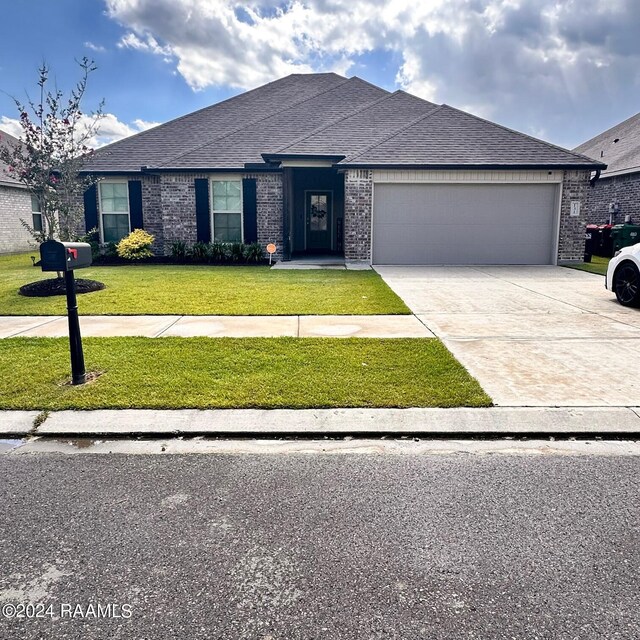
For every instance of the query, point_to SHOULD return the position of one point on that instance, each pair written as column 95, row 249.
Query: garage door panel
column 463, row 224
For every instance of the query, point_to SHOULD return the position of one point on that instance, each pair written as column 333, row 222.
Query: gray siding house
column 15, row 204
column 617, row 192
column 322, row 164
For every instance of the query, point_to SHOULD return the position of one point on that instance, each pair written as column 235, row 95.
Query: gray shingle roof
column 248, row 142
column 5, row 176
column 155, row 147
column 449, row 137
column 355, row 131
column 622, row 156
column 326, row 114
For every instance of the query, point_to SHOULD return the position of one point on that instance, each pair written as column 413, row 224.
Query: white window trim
column 115, row 213
column 212, row 217
column 37, row 212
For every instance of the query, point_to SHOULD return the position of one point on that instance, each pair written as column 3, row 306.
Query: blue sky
column 563, row 71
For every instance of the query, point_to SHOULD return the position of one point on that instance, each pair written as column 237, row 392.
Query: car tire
column 626, row 284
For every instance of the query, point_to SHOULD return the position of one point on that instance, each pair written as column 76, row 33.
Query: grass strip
column 177, row 373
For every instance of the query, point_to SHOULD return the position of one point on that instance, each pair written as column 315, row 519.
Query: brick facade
column 177, row 206
column 152, row 211
column 358, row 203
column 625, row 190
column 575, row 187
column 169, row 211
column 169, row 208
column 15, row 204
column 269, row 200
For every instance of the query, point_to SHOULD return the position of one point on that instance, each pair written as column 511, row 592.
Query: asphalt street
column 320, row 546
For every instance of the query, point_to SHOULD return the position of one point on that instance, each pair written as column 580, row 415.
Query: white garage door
column 464, row 223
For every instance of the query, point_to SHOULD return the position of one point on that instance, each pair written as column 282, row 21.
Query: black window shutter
column 135, row 204
column 203, row 222
column 250, row 210
column 90, row 208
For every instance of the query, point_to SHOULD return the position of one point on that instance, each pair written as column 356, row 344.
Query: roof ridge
column 415, row 97
column 9, row 136
column 252, row 122
column 609, row 130
column 395, row 133
column 525, row 135
column 337, row 120
column 210, row 106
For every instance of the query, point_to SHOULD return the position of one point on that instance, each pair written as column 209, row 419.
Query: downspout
column 595, row 178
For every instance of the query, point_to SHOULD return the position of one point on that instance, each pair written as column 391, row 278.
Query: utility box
column 64, row 256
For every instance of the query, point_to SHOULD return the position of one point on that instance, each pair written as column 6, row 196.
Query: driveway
column 532, row 336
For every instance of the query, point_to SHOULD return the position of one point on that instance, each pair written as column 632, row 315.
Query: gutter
column 474, row 167
column 144, row 170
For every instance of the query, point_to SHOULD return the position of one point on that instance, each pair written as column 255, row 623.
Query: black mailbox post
column 65, row 257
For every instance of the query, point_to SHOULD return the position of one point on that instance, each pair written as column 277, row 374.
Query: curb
column 565, row 422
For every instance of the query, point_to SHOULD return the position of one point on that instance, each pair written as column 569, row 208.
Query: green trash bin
column 625, row 235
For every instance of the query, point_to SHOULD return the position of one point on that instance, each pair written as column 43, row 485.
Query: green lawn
column 175, row 373
column 597, row 265
column 205, row 290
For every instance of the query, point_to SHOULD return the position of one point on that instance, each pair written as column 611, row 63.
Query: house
column 16, row 204
column 616, row 194
column 322, row 164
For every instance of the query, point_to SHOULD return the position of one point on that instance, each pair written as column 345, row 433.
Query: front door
column 318, row 215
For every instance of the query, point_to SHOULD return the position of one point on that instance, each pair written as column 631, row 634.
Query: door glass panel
column 318, row 212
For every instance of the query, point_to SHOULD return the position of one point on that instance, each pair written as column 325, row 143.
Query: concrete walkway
column 389, row 326
column 435, row 422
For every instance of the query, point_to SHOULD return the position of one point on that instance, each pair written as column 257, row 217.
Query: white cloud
column 110, row 129
column 94, row 47
column 533, row 64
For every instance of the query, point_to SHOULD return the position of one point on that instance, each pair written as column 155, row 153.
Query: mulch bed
column 56, row 287
column 115, row 261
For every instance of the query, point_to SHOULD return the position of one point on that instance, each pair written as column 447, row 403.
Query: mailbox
column 64, row 256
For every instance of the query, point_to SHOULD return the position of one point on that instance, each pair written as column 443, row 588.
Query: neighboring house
column 616, row 193
column 319, row 163
column 15, row 204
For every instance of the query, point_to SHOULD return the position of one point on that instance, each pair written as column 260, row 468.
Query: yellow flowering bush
column 136, row 245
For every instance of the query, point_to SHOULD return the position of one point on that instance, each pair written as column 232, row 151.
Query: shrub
column 111, row 250
column 179, row 250
column 237, row 252
column 135, row 246
column 254, row 252
column 93, row 238
column 219, row 251
column 199, row 252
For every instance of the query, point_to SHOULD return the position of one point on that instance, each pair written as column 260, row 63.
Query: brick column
column 575, row 186
column 358, row 202
column 269, row 206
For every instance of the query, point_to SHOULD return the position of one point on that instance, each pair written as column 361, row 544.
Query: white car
column 623, row 276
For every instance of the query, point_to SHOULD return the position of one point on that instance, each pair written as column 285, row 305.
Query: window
column 114, row 210
column 226, row 204
column 36, row 214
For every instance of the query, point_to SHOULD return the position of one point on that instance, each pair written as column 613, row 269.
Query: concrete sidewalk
column 376, row 326
column 241, row 423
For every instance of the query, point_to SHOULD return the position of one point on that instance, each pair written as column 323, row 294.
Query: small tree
column 54, row 146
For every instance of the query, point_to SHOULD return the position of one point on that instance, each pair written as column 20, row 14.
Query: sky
column 560, row 70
